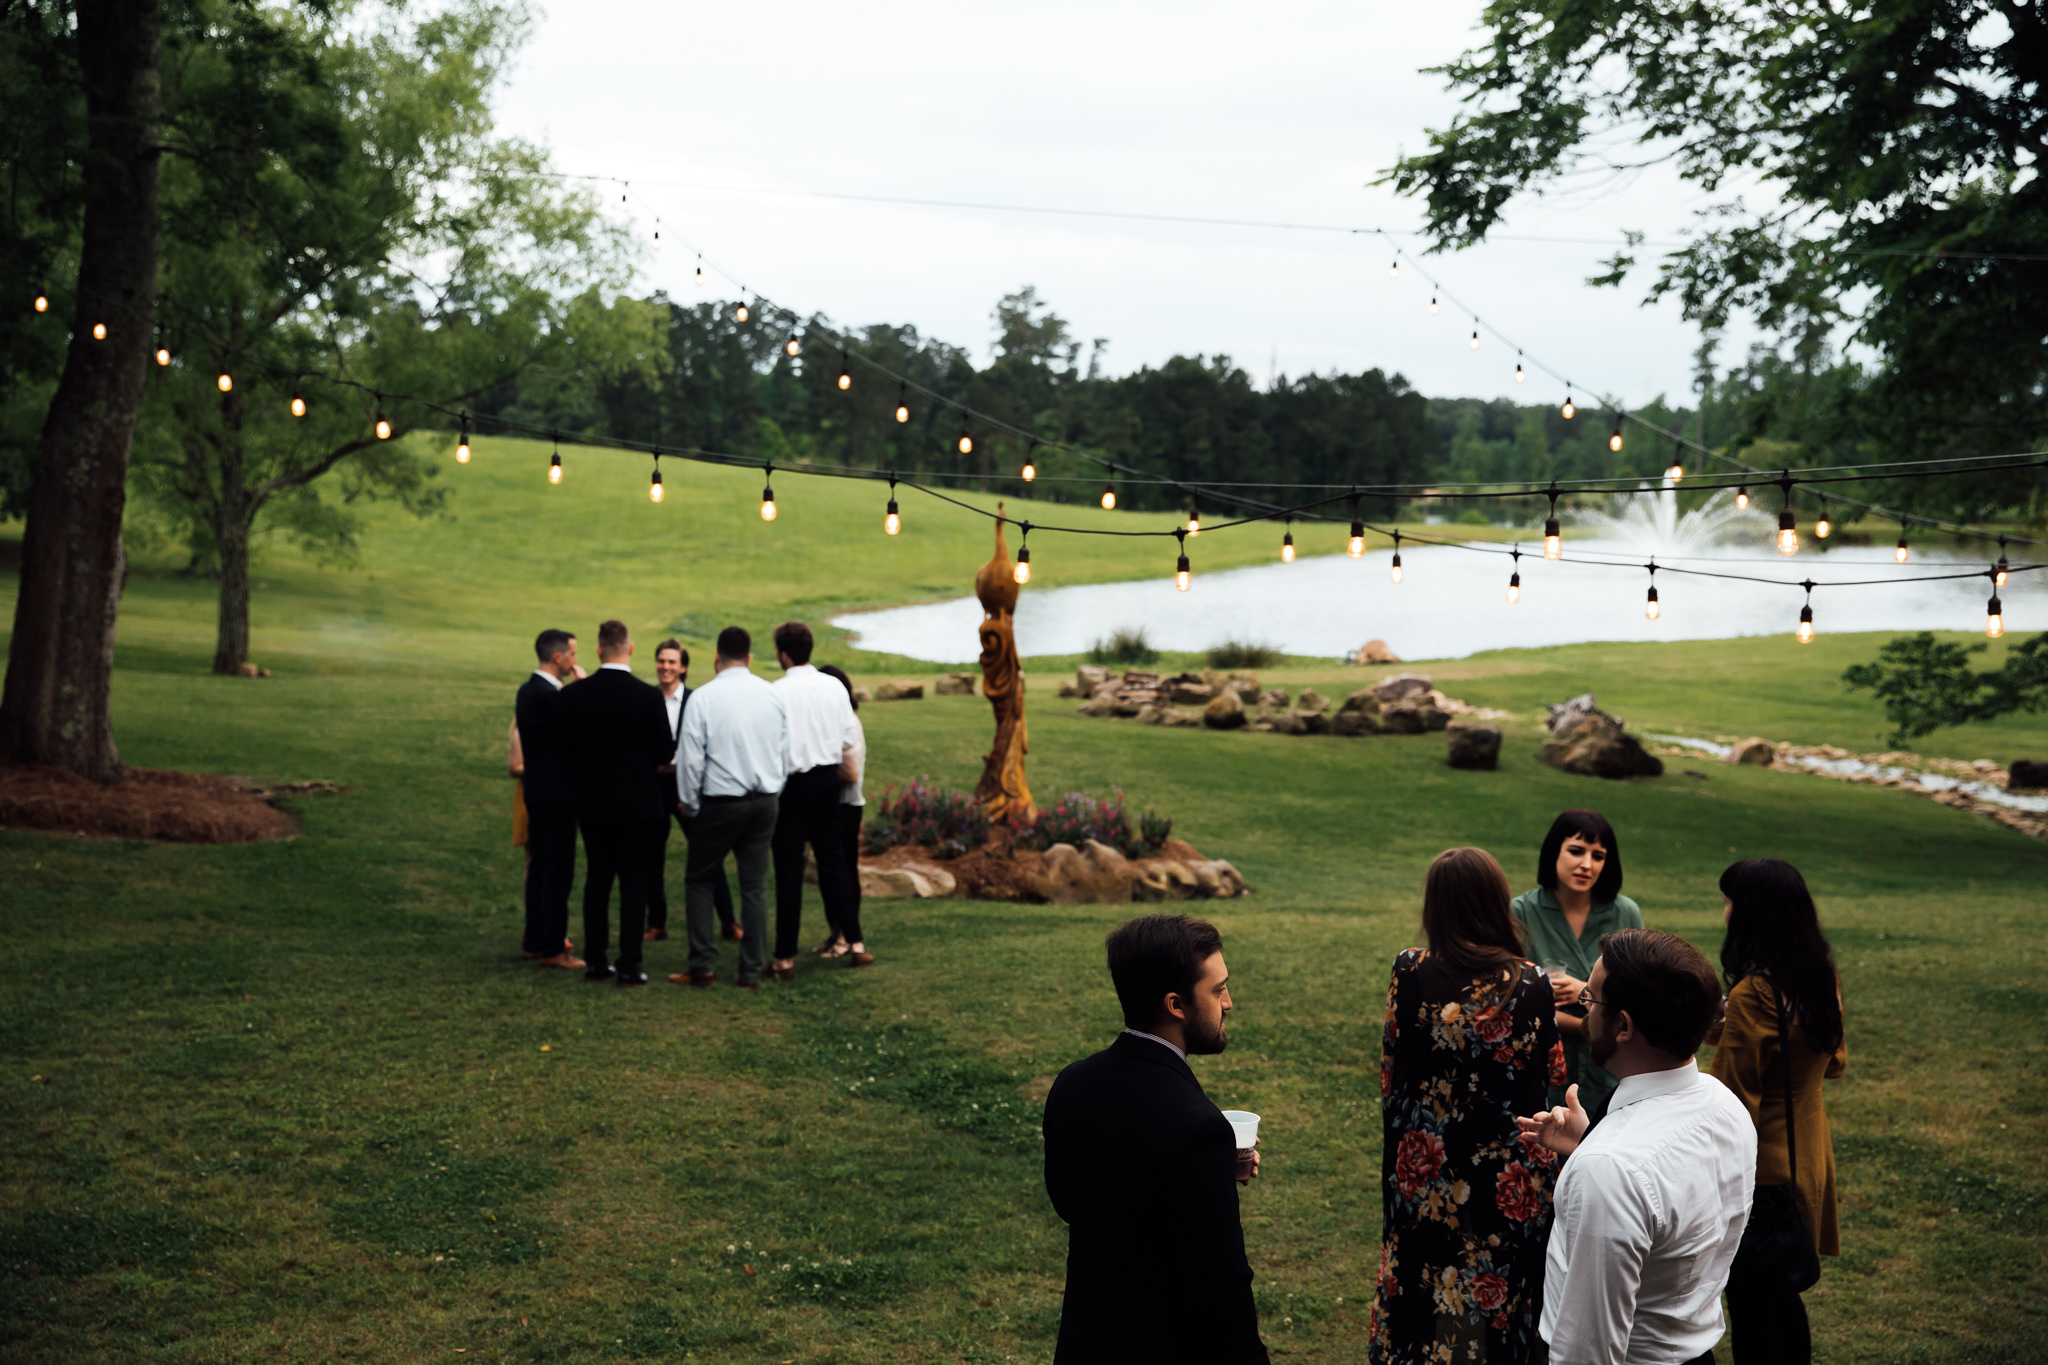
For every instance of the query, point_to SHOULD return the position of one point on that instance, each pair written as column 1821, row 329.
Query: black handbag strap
column 1785, row 1065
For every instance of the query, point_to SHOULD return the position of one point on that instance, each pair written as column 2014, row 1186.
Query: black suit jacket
column 543, row 742
column 618, row 738
column 1143, row 1168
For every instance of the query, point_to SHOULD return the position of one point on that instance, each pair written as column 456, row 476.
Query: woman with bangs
column 1577, row 899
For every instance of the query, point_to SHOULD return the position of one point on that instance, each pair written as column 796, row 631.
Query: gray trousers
column 744, row 828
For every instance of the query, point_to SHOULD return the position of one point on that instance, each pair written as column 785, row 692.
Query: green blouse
column 1550, row 940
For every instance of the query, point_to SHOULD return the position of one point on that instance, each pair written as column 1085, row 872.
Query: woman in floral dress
column 1471, row 1041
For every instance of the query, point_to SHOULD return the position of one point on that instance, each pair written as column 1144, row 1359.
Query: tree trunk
column 232, row 520
column 61, row 659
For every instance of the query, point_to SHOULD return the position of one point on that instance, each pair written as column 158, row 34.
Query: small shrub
column 950, row 823
column 1243, row 654
column 1154, row 829
column 1078, row 817
column 1124, row 645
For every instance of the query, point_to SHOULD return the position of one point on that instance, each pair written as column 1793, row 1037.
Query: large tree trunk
column 60, row 662
column 232, row 519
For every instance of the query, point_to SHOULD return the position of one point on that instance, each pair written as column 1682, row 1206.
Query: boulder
column 1160, row 879
column 1088, row 677
column 1312, row 722
column 1273, row 696
column 1472, row 746
column 1223, row 712
column 1376, row 652
column 245, row 669
column 918, row 881
column 954, row 685
column 1109, row 688
column 1189, row 693
column 1567, row 715
column 1355, row 723
column 1361, row 700
column 1140, row 678
column 1289, row 723
column 862, row 693
column 1311, row 702
column 1246, row 685
column 1413, row 715
column 1097, row 706
column 1399, row 686
column 1261, row 727
column 1588, row 741
column 1176, row 719
column 1757, row 753
column 2027, row 773
column 897, row 690
column 1128, row 706
column 1068, row 690
column 1150, row 715
column 1071, row 878
column 1217, row 877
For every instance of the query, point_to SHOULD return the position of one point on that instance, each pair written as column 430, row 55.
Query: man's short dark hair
column 549, row 643
column 794, row 639
column 734, row 643
column 611, row 637
column 1156, row 955
column 677, row 645
column 1666, row 985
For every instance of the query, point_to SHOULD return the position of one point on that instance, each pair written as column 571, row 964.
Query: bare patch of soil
column 984, row 874
column 149, row 803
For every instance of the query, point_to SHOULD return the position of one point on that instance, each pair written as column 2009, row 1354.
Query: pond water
column 1451, row 602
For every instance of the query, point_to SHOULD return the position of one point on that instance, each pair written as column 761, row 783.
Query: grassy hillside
column 302, row 1101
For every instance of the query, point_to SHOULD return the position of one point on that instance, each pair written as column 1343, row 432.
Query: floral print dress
column 1467, row 1202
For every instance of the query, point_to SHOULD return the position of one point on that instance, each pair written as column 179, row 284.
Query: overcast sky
column 1281, row 111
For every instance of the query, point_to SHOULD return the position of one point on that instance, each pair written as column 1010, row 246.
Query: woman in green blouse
column 1577, row 899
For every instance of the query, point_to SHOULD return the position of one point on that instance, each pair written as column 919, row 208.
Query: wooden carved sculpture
column 1002, row 791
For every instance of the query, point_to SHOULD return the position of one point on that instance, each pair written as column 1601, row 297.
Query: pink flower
column 1493, row 1026
column 1491, row 1291
column 1516, row 1196
column 1417, row 1162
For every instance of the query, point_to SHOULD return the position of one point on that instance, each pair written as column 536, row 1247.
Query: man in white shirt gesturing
column 822, row 735
column 1651, row 1205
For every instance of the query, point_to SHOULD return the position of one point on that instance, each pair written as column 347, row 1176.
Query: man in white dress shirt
column 822, row 735
column 731, row 762
column 1651, row 1205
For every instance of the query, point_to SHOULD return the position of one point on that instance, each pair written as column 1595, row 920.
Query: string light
column 966, row 441
column 1395, row 572
column 1614, row 440
column 1742, row 500
column 1900, row 553
column 1394, row 269
column 462, row 442
column 1994, row 617
column 1788, row 524
column 1805, row 631
column 792, row 345
column 1553, row 534
column 700, row 270
column 1432, row 305
column 555, row 464
column 902, row 404
column 767, row 492
column 654, row 490
column 1182, row 576
column 1568, row 410
column 892, row 520
column 845, row 374
column 1519, row 376
column 383, row 422
column 299, row 404
column 1109, row 497
column 163, row 355
column 1823, row 528
column 1677, row 470
column 1031, row 463
column 42, row 302
column 1651, row 610
column 1023, row 570
column 1194, row 520
column 1475, row 338
column 657, row 237
column 1287, row 543
column 1355, row 547
column 99, row 331
column 1515, row 579
column 2000, row 571
column 739, row 314
column 226, row 382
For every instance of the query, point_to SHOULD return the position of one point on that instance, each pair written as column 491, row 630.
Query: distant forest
column 730, row 386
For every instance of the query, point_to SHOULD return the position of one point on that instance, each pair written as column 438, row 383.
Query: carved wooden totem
column 1002, row 790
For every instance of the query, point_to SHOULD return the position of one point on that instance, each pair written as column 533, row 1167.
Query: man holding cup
column 1140, row 1164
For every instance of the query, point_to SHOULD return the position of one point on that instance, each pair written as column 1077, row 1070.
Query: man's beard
column 1203, row 1040
column 1602, row 1047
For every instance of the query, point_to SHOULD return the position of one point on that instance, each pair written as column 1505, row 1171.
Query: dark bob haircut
column 1154, row 956
column 1591, row 826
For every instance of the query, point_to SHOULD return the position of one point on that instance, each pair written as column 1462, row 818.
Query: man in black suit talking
column 550, row 801
column 618, row 741
column 1141, row 1166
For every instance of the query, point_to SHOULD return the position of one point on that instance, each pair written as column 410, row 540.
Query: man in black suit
column 1140, row 1165
column 618, row 742
column 550, row 802
column 671, row 674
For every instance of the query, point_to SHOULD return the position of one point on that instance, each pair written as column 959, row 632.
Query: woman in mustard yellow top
column 1784, row 1003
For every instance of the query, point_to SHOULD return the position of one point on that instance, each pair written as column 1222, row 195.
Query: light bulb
column 1805, row 631
column 903, row 412
column 1900, row 553
column 1395, row 572
column 966, row 442
column 1568, row 410
column 1514, row 588
column 700, row 277
column 1650, row 609
column 1432, row 305
column 1023, row 573
column 845, row 379
column 1194, row 522
column 1475, row 338
column 892, row 520
column 1519, row 376
column 226, row 382
column 99, row 331
column 654, row 488
column 1994, row 618
column 1030, row 471
column 1788, row 533
column 1742, row 496
column 298, row 404
column 1553, row 540
column 1677, row 470
column 42, row 303
column 739, row 314
column 1181, row 574
column 767, row 504
column 1614, row 441
column 163, row 355
column 1822, row 527
column 792, row 346
column 2000, row 572
column 462, row 454
column 1287, row 548
column 383, row 426
column 657, row 239
column 555, row 468
column 1109, row 499
column 1394, row 270
column 1355, row 547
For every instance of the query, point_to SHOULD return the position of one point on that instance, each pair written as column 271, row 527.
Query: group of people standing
column 1561, row 1181
column 749, row 770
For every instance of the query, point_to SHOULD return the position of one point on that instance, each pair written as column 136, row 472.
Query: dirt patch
column 982, row 874
column 184, row 808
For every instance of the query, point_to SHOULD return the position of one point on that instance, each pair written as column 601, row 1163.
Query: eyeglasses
column 1586, row 998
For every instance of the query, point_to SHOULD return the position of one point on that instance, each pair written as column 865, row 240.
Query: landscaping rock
column 1128, row 706
column 918, row 881
column 862, row 693
column 1069, row 690
column 954, row 685
column 1757, row 753
column 1159, row 879
column 2026, row 773
column 1139, row 678
column 1224, row 712
column 247, row 670
column 1472, row 746
column 1376, row 652
column 1311, row 702
column 1586, row 740
column 1189, row 693
column 1071, row 878
column 1261, row 727
column 1354, row 723
column 1273, row 696
column 1361, row 700
column 1088, row 677
column 1288, row 723
column 1097, row 706
column 1312, row 722
column 1400, row 686
column 1413, row 715
column 1150, row 715
column 897, row 690
column 1181, row 720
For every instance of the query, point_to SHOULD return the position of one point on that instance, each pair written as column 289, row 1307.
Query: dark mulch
column 186, row 808
column 984, row 874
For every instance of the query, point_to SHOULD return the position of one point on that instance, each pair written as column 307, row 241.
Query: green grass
column 301, row 1101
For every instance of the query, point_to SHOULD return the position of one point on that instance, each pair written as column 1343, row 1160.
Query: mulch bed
column 982, row 875
column 149, row 803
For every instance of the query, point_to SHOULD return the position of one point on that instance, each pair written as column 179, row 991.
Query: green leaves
column 1926, row 684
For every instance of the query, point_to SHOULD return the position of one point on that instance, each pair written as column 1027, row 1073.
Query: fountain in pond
column 1650, row 521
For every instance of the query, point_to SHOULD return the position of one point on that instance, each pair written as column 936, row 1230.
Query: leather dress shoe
column 732, row 933
column 748, row 985
column 632, row 976
column 657, row 932
column 861, row 959
column 693, row 978
column 597, row 973
column 567, row 947
column 781, row 973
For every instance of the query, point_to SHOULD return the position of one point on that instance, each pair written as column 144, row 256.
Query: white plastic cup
column 1246, row 1125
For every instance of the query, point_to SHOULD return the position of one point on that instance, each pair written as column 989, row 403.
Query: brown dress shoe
column 693, row 978
column 781, row 973
column 732, row 933
column 748, row 985
column 861, row 959
column 655, row 933
column 567, row 947
column 564, row 959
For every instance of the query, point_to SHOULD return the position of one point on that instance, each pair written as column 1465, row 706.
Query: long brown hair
column 1465, row 911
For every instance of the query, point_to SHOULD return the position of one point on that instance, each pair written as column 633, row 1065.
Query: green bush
column 1123, row 646
column 1243, row 654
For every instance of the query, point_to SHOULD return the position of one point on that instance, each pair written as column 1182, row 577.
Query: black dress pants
column 657, row 889
column 809, row 814
column 551, row 838
column 849, row 843
column 616, row 850
column 1767, row 1328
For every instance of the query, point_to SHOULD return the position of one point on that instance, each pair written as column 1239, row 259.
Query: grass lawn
column 302, row 1101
